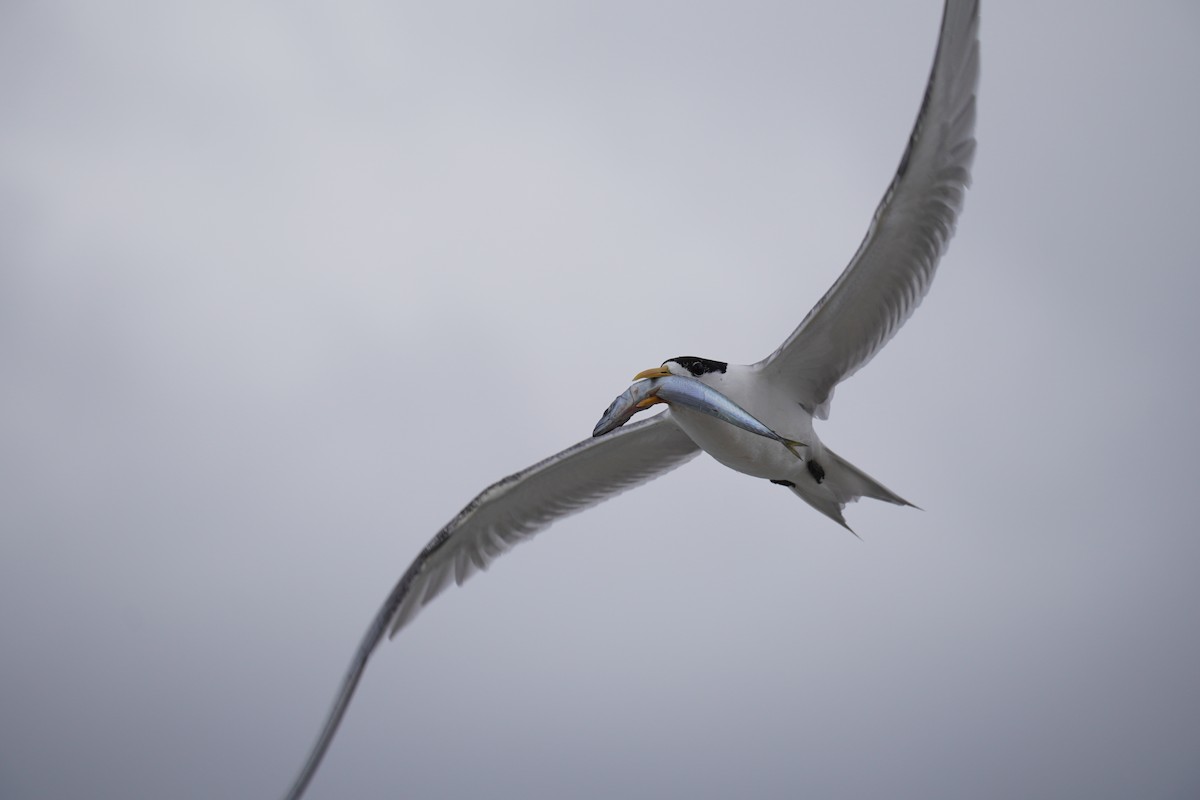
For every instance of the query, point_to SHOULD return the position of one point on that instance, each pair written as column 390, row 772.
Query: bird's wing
column 894, row 265
column 505, row 513
column 515, row 508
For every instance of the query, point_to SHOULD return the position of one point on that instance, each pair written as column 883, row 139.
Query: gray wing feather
column 895, row 264
column 502, row 515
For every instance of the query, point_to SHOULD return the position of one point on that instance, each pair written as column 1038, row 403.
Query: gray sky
column 281, row 288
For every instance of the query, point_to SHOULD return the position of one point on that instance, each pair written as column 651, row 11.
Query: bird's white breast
column 739, row 449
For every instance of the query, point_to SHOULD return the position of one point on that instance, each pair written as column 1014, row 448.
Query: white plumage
column 880, row 288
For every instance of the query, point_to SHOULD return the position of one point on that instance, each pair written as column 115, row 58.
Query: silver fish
column 690, row 393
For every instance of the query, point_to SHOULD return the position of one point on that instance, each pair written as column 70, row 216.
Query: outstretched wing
column 891, row 272
column 505, row 513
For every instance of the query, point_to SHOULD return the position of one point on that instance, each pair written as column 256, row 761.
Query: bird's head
column 687, row 367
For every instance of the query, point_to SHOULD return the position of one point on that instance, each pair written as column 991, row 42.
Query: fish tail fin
column 794, row 446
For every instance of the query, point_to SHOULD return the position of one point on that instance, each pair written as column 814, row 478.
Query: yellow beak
column 657, row 372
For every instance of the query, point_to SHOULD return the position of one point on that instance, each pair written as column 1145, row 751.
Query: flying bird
column 876, row 293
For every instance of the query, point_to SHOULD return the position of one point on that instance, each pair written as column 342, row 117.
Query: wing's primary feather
column 505, row 513
column 891, row 272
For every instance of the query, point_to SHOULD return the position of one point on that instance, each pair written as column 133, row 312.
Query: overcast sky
column 282, row 286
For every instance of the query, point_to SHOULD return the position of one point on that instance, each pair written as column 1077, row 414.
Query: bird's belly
column 740, row 449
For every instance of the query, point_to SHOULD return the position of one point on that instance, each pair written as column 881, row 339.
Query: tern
column 876, row 293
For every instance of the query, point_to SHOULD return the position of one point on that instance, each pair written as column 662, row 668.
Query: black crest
column 699, row 366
